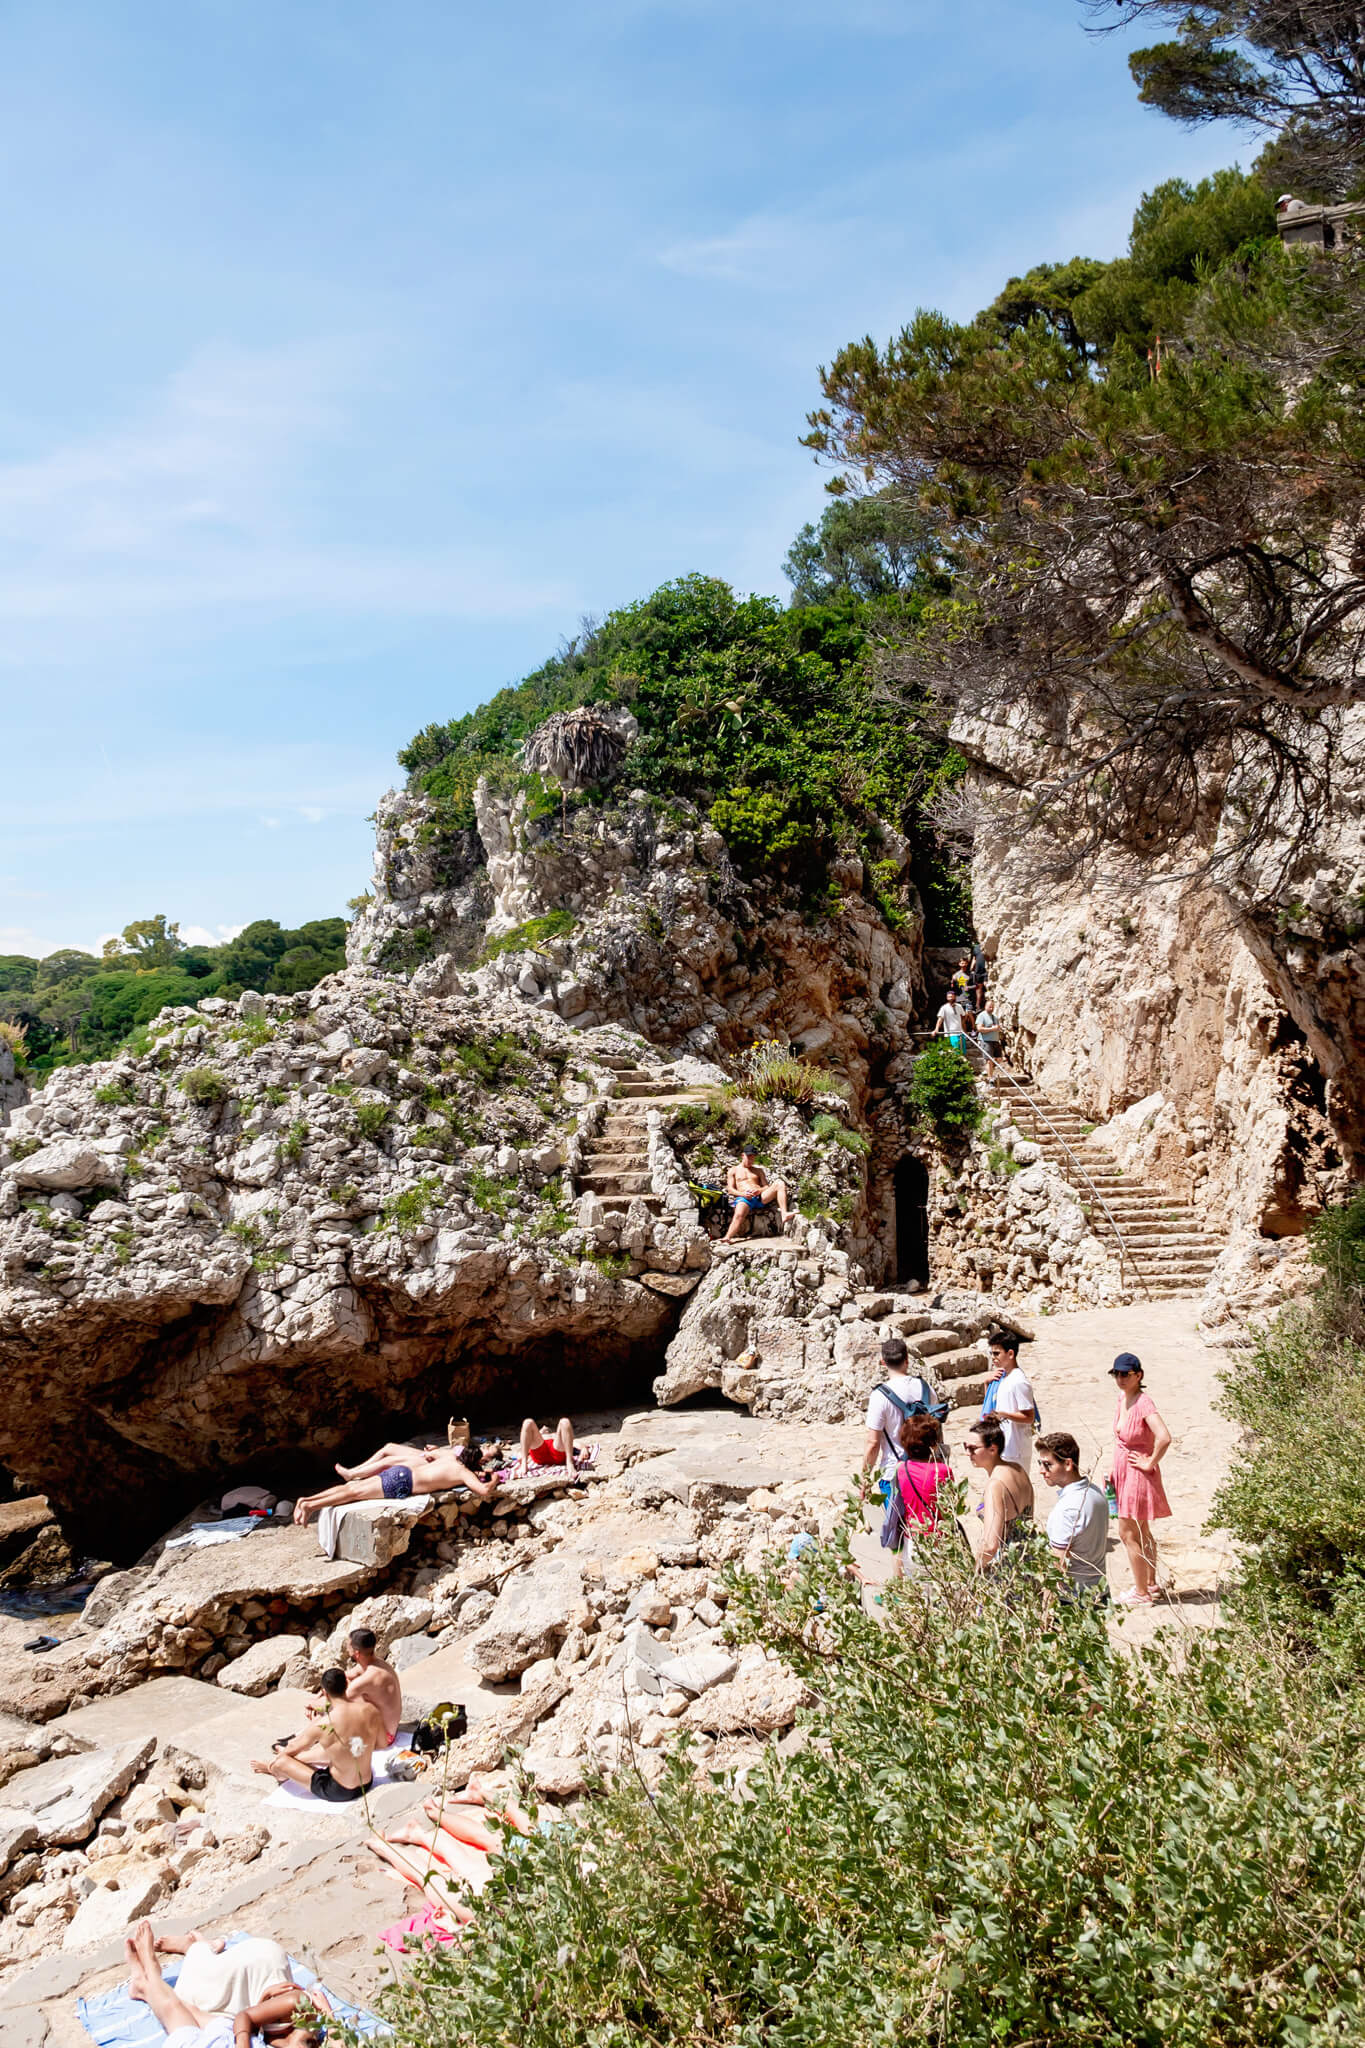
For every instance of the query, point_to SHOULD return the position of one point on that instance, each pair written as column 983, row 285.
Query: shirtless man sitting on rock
column 369, row 1677
column 751, row 1191
column 334, row 1757
column 395, row 1473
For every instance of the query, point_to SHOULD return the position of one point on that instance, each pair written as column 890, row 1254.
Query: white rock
column 69, row 1163
column 265, row 1664
column 107, row 1912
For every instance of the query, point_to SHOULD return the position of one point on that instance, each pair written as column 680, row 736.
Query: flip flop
column 43, row 1643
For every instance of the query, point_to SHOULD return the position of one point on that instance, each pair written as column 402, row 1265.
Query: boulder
column 530, row 1620
column 18, row 1832
column 67, row 1797
column 758, row 1701
column 108, row 1911
column 391, row 1615
column 267, row 1664
column 657, row 1668
column 66, row 1163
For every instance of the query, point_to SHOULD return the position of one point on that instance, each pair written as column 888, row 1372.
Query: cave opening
column 910, row 1184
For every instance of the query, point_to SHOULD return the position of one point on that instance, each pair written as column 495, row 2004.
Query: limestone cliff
column 1206, row 1024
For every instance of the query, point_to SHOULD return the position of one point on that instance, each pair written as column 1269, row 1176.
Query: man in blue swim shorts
column 751, row 1192
column 395, row 1473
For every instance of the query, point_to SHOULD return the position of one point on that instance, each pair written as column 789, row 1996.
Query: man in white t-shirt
column 949, row 1022
column 882, row 1450
column 1014, row 1403
column 1078, row 1527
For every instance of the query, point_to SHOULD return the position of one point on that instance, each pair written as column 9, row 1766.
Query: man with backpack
column 899, row 1394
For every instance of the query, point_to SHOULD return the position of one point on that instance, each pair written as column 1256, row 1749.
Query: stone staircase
column 1168, row 1250
column 617, row 1172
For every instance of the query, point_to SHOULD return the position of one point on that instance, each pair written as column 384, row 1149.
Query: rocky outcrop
column 288, row 1226
column 1191, row 1020
column 636, row 914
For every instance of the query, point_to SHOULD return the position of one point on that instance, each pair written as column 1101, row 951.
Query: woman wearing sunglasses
column 1141, row 1441
column 1009, row 1493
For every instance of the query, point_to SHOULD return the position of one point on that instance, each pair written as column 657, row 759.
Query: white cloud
column 206, row 497
column 271, row 824
column 312, row 813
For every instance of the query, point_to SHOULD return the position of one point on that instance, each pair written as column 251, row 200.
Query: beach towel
column 114, row 2019
column 417, row 1932
column 299, row 1795
column 205, row 1533
column 332, row 1524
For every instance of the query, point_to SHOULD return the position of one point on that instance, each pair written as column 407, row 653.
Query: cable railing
column 1125, row 1256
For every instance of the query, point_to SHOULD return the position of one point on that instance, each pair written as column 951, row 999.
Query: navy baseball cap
column 1126, row 1361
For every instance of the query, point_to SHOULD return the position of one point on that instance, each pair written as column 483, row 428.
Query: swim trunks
column 546, row 1452
column 397, row 1482
column 752, row 1202
column 325, row 1786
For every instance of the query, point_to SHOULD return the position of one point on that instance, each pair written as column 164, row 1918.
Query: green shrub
column 115, row 1095
column 371, row 1117
column 1292, row 1498
column 491, row 1060
column 204, row 1086
column 773, row 1074
column 344, row 1194
column 495, row 1197
column 252, row 1032
column 830, row 1131
column 24, row 1148
column 411, row 1205
column 1000, row 1829
column 292, row 1143
column 615, row 1265
column 943, row 1089
column 531, row 936
column 405, row 952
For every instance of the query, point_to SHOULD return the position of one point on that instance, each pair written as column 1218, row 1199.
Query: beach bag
column 443, row 1725
column 457, row 1433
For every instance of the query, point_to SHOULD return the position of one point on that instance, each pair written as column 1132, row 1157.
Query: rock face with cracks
column 291, row 1224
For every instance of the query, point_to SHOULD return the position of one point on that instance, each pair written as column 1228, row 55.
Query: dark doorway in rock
column 912, row 1221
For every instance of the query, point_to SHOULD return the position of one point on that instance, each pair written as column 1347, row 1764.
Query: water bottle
column 1112, row 1499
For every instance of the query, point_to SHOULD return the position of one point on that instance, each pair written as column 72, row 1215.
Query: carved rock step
column 618, row 1204
column 616, row 1183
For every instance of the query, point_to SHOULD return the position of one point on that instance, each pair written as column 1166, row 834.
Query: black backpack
column 445, row 1724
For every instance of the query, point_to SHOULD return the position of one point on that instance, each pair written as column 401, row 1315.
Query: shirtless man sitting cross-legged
column 334, row 1757
column 395, row 1473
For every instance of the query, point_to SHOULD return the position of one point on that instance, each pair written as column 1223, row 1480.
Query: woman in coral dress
column 1141, row 1441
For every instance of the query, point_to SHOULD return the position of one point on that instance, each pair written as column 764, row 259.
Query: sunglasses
column 1129, row 1372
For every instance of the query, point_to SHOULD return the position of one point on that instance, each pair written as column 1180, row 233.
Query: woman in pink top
column 1141, row 1441
column 920, row 1477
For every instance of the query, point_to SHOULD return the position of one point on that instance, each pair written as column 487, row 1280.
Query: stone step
column 957, row 1365
column 618, row 1159
column 616, row 1205
column 638, row 1088
column 932, row 1342
column 615, row 1183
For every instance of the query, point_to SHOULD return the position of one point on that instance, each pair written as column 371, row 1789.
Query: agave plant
column 576, row 748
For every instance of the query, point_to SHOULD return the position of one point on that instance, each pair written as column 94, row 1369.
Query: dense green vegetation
column 72, row 1006
column 769, row 716
column 1297, row 1498
column 1002, row 1825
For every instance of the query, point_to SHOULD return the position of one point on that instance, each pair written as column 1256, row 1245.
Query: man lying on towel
column 333, row 1757
column 222, row 1995
column 394, row 1473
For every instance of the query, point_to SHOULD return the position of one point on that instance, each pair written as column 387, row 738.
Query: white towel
column 331, row 1521
column 299, row 1795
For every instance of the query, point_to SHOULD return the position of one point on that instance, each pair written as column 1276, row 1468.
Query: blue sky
column 353, row 353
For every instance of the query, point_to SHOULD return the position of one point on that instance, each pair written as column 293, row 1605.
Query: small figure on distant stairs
column 751, row 1192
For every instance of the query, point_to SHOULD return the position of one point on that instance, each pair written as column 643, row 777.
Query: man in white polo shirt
column 1078, row 1527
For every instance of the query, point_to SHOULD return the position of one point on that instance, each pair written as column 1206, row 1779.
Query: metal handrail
column 1125, row 1256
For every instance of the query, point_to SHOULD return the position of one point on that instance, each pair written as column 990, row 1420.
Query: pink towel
column 416, row 1931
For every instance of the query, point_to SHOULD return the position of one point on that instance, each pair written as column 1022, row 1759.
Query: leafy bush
column 292, row 1143
column 491, row 1060
column 252, row 1032
column 371, row 1117
column 773, row 1074
column 405, row 952
column 1000, row 1828
column 411, row 1205
column 15, row 1036
column 204, row 1086
column 491, row 1195
column 766, row 717
column 943, row 1089
column 531, row 936
column 1293, row 1499
column 830, row 1131
column 115, row 1095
